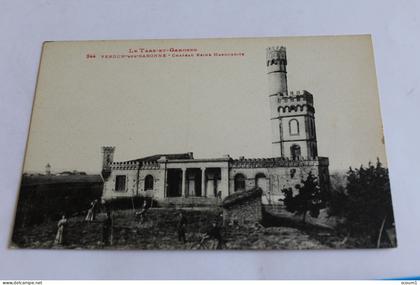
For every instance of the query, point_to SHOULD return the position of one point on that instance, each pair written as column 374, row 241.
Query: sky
column 210, row 106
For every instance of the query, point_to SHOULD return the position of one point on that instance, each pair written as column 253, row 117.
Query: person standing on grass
column 60, row 236
column 94, row 209
column 181, row 227
column 91, row 212
column 140, row 214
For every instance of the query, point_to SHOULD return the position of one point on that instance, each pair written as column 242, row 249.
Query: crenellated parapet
column 135, row 165
column 298, row 96
column 125, row 165
column 298, row 102
column 150, row 165
column 108, row 148
column 276, row 162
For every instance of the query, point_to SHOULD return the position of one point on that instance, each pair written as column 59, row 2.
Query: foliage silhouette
column 369, row 206
column 309, row 198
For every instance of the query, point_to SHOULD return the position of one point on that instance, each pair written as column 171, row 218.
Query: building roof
column 155, row 157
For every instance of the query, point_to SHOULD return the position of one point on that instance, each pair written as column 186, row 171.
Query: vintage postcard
column 255, row 143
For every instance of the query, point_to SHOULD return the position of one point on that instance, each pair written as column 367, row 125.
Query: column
column 224, row 184
column 163, row 189
column 184, row 179
column 203, row 182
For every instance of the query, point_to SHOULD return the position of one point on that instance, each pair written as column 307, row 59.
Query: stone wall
column 243, row 207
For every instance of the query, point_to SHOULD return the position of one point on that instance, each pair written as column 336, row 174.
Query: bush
column 365, row 204
column 369, row 205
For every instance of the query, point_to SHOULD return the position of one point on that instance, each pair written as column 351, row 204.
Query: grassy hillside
column 158, row 231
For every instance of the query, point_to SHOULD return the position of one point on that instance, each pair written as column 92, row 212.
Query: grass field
column 158, row 231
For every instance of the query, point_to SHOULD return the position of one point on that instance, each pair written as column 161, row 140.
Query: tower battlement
column 299, row 96
column 300, row 101
column 292, row 112
column 278, row 52
column 108, row 148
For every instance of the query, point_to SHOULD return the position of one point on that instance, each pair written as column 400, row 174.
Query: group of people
column 214, row 232
column 60, row 237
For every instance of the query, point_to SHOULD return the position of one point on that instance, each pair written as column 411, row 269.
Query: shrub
column 369, row 206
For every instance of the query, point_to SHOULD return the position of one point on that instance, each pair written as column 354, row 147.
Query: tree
column 288, row 199
column 308, row 199
column 369, row 206
column 336, row 201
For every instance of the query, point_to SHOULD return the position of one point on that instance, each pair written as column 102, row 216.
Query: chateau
column 181, row 178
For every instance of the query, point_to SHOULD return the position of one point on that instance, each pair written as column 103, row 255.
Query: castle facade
column 181, row 178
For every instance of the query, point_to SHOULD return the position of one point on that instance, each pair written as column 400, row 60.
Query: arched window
column 261, row 181
column 260, row 175
column 239, row 182
column 293, row 127
column 295, row 151
column 148, row 182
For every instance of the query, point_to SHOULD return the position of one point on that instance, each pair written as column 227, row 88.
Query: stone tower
column 107, row 159
column 276, row 70
column 292, row 113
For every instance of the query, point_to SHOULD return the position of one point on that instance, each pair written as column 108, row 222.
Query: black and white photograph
column 207, row 144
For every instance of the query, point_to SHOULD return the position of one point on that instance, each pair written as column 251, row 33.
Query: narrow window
column 239, row 182
column 148, row 182
column 120, row 183
column 294, row 127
